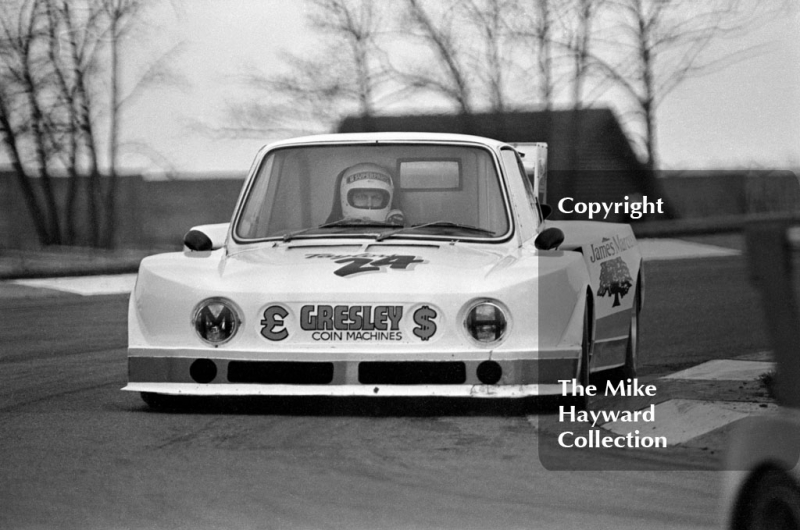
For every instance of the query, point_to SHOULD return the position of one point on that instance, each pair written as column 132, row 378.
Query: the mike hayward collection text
column 601, row 439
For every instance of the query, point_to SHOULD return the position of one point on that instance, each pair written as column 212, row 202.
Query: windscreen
column 395, row 190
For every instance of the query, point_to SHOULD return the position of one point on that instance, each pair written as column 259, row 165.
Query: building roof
column 601, row 143
column 589, row 157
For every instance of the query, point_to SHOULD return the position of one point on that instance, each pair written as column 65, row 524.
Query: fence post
column 770, row 259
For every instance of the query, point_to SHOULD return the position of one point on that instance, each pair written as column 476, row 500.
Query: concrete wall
column 718, row 193
column 167, row 209
column 156, row 214
column 150, row 214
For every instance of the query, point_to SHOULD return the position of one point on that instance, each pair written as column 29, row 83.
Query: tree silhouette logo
column 615, row 279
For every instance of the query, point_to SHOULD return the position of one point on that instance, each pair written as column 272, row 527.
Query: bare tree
column 551, row 42
column 71, row 109
column 489, row 18
column 575, row 21
column 11, row 141
column 577, row 34
column 659, row 44
column 317, row 90
column 75, row 42
column 25, row 119
column 449, row 74
column 345, row 76
column 119, row 15
column 54, row 56
column 543, row 35
column 358, row 25
column 310, row 97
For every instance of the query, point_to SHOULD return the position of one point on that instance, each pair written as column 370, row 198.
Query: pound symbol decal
column 426, row 327
column 274, row 323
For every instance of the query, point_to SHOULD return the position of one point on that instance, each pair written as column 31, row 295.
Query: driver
column 366, row 193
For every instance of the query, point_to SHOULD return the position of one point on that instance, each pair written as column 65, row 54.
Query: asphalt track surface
column 79, row 453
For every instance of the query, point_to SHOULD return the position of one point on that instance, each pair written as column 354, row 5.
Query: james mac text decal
column 613, row 266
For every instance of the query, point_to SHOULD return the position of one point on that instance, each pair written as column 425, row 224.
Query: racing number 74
column 358, row 265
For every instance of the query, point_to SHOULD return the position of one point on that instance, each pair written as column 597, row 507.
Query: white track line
column 724, row 370
column 680, row 420
column 85, row 285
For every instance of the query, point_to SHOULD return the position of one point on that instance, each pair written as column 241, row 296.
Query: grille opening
column 203, row 371
column 489, row 372
column 412, row 373
column 280, row 372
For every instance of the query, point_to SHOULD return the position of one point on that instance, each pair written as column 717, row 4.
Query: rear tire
column 632, row 349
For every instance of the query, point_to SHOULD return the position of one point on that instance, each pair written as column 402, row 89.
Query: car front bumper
column 486, row 376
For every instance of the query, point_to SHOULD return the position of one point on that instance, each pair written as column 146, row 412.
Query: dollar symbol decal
column 426, row 327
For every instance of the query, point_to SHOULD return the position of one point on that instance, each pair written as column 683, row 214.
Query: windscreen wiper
column 445, row 224
column 344, row 223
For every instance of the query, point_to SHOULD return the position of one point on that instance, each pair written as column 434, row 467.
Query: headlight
column 216, row 321
column 486, row 322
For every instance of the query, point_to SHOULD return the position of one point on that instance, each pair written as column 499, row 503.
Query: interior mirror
column 549, row 239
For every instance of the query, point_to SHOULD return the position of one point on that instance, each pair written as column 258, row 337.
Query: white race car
column 387, row 264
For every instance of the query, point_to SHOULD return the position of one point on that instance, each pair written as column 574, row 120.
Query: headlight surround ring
column 486, row 322
column 216, row 320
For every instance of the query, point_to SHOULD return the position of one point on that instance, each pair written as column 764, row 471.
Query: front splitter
column 461, row 391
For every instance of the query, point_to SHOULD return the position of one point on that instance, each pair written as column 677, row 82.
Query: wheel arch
column 739, row 517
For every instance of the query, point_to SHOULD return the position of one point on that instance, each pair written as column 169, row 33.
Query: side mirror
column 206, row 237
column 549, row 239
column 546, row 210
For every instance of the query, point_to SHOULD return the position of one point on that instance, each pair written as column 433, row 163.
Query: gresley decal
column 329, row 322
column 365, row 262
column 349, row 318
column 352, row 323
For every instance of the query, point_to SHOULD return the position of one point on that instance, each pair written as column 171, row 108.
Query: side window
column 511, row 159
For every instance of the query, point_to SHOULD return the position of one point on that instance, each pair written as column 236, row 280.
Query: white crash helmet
column 366, row 192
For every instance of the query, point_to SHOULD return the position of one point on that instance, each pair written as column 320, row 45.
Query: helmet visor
column 368, row 198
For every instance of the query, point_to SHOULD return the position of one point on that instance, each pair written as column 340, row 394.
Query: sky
column 746, row 115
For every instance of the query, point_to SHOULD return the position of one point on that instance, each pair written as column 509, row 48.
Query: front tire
column 584, row 372
column 161, row 402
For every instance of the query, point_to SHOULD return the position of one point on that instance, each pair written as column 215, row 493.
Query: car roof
column 387, row 137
